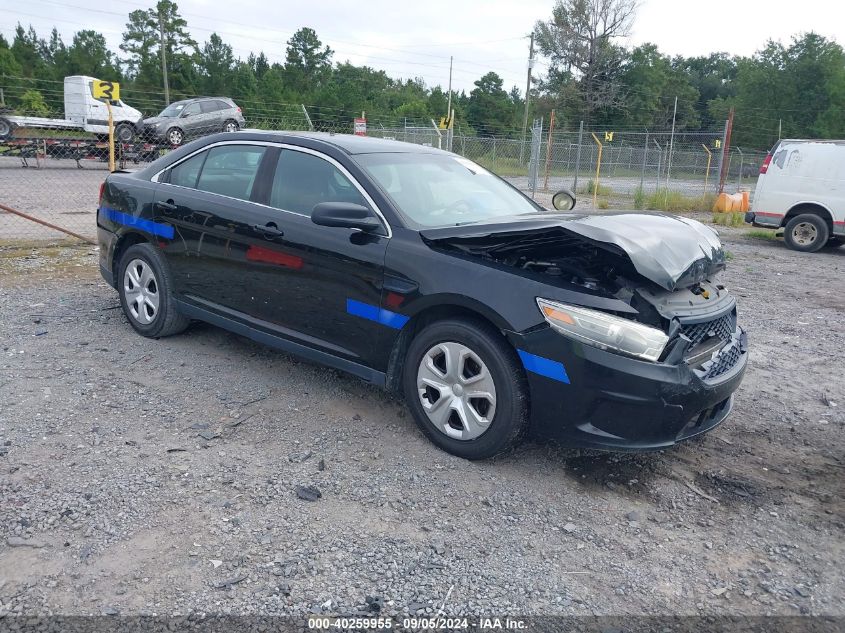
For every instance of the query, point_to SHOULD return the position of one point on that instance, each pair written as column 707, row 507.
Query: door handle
column 269, row 230
column 166, row 206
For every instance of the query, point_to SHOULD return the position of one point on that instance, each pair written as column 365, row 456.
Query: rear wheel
column 806, row 233
column 230, row 126
column 466, row 389
column 146, row 295
column 6, row 128
column 175, row 136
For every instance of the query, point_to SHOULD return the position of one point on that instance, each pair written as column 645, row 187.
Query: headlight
column 604, row 330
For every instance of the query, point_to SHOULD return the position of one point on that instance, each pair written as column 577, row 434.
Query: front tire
column 175, row 136
column 806, row 233
column 466, row 388
column 146, row 296
column 124, row 133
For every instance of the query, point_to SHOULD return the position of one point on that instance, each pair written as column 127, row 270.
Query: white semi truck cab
column 82, row 112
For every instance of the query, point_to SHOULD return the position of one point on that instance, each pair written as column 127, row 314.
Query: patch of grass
column 736, row 218
column 729, row 255
column 639, row 198
column 601, row 190
column 761, row 234
column 604, row 203
column 675, row 201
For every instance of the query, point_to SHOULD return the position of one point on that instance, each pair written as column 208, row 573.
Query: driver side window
column 303, row 181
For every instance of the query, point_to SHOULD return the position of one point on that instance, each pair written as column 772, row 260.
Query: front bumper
column 618, row 403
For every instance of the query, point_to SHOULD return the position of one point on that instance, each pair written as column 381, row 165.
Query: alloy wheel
column 175, row 137
column 231, row 126
column 140, row 288
column 456, row 390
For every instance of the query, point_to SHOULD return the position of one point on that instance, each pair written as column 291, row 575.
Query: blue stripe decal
column 374, row 313
column 164, row 230
column 543, row 366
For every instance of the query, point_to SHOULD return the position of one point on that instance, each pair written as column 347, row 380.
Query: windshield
column 442, row 190
column 172, row 111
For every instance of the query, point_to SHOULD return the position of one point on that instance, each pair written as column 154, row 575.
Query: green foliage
column 733, row 218
column 639, row 198
column 590, row 76
column 600, row 190
column 761, row 234
column 675, row 201
column 604, row 203
column 32, row 102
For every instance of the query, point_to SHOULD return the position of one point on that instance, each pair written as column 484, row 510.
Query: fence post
column 741, row 165
column 707, row 173
column 578, row 158
column 659, row 161
column 645, row 158
column 598, row 169
column 549, row 150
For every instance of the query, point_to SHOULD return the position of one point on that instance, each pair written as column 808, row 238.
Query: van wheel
column 466, row 388
column 124, row 133
column 806, row 233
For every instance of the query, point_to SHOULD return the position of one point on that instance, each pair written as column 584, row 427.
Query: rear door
column 212, row 115
column 207, row 198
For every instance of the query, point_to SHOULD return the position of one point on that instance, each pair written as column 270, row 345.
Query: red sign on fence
column 360, row 127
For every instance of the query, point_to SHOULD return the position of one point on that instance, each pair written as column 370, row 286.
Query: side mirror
column 345, row 215
column 563, row 200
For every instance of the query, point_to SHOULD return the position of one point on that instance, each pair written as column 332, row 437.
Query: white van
column 801, row 187
column 82, row 111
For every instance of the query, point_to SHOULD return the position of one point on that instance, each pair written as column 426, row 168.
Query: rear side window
column 222, row 105
column 230, row 170
column 191, row 110
column 210, row 106
column 303, row 181
column 186, row 173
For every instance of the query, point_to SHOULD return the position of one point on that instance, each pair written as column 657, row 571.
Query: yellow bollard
column 598, row 168
column 111, row 137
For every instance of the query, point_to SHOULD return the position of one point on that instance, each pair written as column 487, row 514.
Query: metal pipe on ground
column 26, row 216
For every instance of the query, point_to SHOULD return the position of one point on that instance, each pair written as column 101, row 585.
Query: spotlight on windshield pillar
column 563, row 200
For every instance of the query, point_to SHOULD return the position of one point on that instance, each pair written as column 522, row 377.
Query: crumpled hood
column 671, row 251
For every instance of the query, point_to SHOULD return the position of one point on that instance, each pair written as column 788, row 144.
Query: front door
column 245, row 246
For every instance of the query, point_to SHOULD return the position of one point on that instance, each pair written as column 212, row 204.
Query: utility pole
column 527, row 96
column 449, row 105
column 163, row 58
column 780, row 129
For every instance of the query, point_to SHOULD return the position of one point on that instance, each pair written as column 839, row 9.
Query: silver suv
column 192, row 118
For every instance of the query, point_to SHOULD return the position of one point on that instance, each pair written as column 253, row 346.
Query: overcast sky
column 415, row 39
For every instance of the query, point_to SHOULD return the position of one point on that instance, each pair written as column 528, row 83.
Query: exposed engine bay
column 689, row 305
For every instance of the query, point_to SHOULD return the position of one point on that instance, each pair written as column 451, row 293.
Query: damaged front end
column 662, row 273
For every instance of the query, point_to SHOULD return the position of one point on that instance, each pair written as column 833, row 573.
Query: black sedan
column 420, row 271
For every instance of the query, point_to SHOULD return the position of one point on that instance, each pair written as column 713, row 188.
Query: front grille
column 722, row 327
column 724, row 362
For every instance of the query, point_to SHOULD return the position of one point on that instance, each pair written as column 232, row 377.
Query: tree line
column 798, row 88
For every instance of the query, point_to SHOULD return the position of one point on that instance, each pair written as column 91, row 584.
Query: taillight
column 102, row 192
column 239, row 108
column 765, row 166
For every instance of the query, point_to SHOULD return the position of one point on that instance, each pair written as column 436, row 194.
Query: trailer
column 83, row 112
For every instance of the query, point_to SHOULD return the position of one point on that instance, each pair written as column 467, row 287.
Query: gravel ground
column 141, row 476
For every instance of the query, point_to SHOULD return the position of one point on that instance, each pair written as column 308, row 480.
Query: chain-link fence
column 50, row 177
